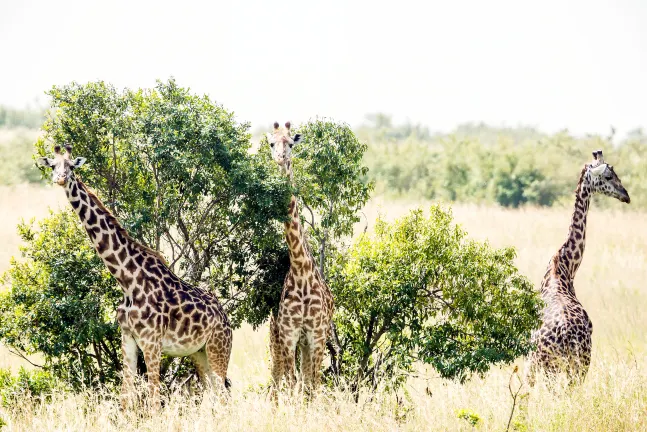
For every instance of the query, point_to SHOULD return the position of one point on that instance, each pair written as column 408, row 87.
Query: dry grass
column 610, row 284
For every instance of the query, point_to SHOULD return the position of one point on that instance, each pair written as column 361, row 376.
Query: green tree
column 62, row 303
column 419, row 290
column 175, row 168
column 331, row 180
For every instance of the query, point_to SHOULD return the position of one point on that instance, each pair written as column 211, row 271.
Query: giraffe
column 563, row 341
column 160, row 313
column 306, row 306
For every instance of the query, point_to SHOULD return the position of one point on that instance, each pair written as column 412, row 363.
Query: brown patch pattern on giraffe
column 563, row 342
column 160, row 313
column 306, row 307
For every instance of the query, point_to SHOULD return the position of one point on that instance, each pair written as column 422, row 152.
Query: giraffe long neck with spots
column 569, row 256
column 298, row 250
column 109, row 238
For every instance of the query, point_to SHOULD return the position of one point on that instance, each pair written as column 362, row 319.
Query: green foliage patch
column 418, row 290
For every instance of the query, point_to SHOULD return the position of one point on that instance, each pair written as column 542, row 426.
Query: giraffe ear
column 596, row 171
column 296, row 139
column 45, row 162
column 270, row 138
column 78, row 162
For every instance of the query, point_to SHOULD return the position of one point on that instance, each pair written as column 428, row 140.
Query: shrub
column 62, row 303
column 419, row 290
column 27, row 384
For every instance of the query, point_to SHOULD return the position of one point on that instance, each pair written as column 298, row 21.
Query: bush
column 62, row 303
column 27, row 384
column 419, row 290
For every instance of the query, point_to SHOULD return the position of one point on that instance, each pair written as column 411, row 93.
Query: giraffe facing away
column 306, row 307
column 160, row 313
column 563, row 341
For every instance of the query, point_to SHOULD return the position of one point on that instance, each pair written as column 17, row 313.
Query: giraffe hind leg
column 218, row 353
column 530, row 374
column 283, row 343
column 201, row 363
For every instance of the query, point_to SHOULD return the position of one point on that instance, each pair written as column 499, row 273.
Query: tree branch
column 19, row 354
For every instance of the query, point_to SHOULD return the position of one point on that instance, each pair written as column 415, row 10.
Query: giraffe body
column 160, row 313
column 306, row 307
column 563, row 342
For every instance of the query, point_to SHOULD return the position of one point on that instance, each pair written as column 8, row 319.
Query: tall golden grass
column 610, row 284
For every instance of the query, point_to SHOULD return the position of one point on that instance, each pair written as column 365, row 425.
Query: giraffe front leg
column 276, row 360
column 129, row 352
column 152, row 356
column 289, row 340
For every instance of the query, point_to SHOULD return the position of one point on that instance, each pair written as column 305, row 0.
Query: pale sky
column 551, row 64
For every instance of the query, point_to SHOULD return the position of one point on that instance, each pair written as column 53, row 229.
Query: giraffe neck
column 299, row 254
column 572, row 252
column 112, row 243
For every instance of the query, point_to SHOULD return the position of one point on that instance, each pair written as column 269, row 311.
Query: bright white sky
column 577, row 64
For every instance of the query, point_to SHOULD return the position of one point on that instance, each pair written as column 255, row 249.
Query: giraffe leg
column 531, row 371
column 306, row 364
column 199, row 359
column 578, row 370
column 218, row 351
column 129, row 351
column 277, row 359
column 290, row 338
column 285, row 343
column 317, row 358
column 152, row 356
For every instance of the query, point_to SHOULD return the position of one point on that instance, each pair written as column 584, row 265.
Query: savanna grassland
column 610, row 284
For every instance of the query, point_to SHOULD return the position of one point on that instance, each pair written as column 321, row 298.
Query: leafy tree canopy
column 419, row 290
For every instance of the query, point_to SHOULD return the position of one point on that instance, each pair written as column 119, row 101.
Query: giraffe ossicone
column 160, row 313
column 563, row 341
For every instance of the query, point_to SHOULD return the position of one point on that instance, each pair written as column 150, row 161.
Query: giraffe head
column 604, row 180
column 62, row 164
column 281, row 143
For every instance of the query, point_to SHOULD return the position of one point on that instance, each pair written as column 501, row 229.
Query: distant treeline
column 482, row 164
column 474, row 163
column 28, row 118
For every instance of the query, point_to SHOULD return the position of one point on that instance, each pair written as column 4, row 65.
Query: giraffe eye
column 271, row 144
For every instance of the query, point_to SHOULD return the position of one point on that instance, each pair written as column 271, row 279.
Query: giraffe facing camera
column 160, row 313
